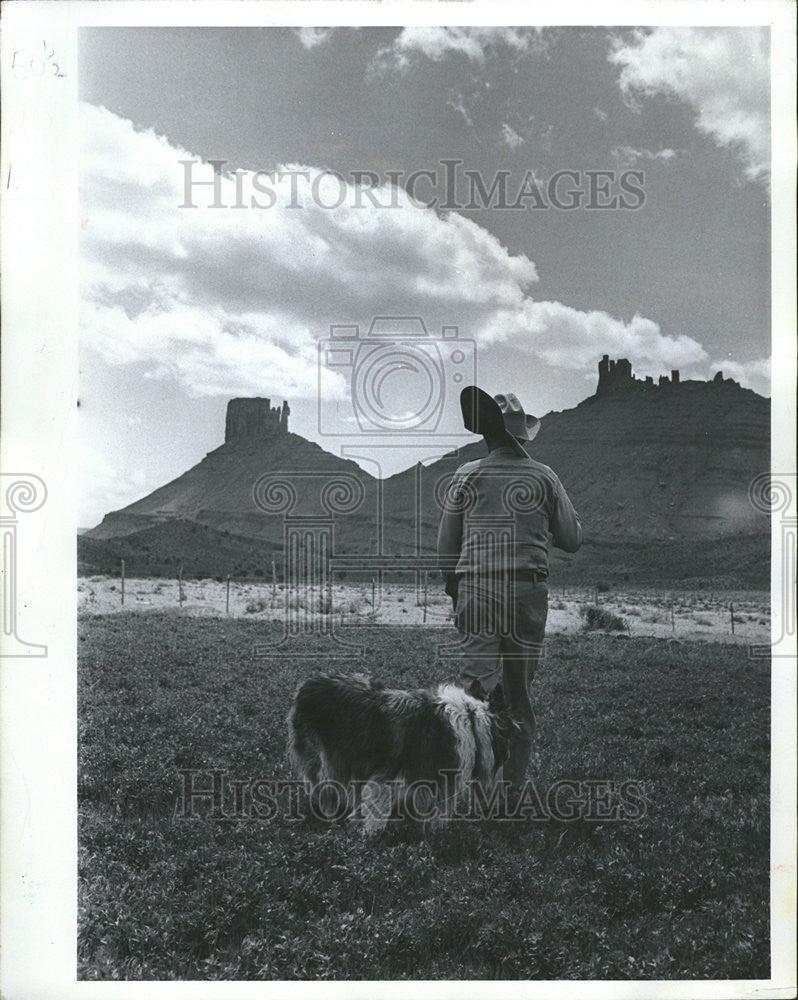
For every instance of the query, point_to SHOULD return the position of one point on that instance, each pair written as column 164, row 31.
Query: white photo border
column 40, row 226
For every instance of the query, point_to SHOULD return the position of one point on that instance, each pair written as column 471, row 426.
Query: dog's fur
column 349, row 729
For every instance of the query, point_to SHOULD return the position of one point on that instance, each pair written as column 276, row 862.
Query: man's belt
column 525, row 575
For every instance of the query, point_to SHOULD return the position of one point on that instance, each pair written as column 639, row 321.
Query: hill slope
column 218, row 491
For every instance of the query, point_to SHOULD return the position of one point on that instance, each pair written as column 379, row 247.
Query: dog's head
column 503, row 727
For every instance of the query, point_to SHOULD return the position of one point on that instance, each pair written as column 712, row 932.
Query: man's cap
column 500, row 416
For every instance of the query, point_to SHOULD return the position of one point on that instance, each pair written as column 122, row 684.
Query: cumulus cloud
column 437, row 43
column 226, row 301
column 723, row 73
column 569, row 338
column 234, row 301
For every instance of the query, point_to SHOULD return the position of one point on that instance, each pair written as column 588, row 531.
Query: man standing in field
column 493, row 552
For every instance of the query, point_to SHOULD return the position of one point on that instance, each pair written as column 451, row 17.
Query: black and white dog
column 348, row 731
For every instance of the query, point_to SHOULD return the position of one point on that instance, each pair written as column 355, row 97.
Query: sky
column 508, row 203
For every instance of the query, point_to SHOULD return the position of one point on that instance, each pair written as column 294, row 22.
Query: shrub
column 253, row 607
column 603, row 587
column 595, row 617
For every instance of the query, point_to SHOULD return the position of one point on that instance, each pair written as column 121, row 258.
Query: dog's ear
column 475, row 690
column 496, row 699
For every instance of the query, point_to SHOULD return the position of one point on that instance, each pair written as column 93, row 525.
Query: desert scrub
column 594, row 617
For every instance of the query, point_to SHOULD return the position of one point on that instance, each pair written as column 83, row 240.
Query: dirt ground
column 684, row 615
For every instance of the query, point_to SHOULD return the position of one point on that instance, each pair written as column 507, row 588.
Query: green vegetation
column 680, row 894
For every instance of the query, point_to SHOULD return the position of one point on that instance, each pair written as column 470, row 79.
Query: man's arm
column 450, row 540
column 565, row 526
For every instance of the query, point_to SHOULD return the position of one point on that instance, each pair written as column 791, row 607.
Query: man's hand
column 450, row 586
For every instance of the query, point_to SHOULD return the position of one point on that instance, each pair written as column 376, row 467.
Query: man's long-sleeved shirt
column 499, row 514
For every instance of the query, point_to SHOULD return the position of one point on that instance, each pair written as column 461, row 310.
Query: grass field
column 681, row 893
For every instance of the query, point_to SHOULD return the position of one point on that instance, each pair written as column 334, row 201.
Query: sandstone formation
column 255, row 418
column 616, row 375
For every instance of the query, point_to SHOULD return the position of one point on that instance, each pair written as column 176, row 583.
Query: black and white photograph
column 399, row 525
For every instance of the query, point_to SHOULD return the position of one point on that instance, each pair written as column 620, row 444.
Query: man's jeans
column 502, row 622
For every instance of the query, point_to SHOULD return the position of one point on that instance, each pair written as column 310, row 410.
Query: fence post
column 274, row 583
column 180, row 584
column 673, row 618
column 373, row 594
column 731, row 614
column 227, row 601
column 123, row 581
column 425, row 596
